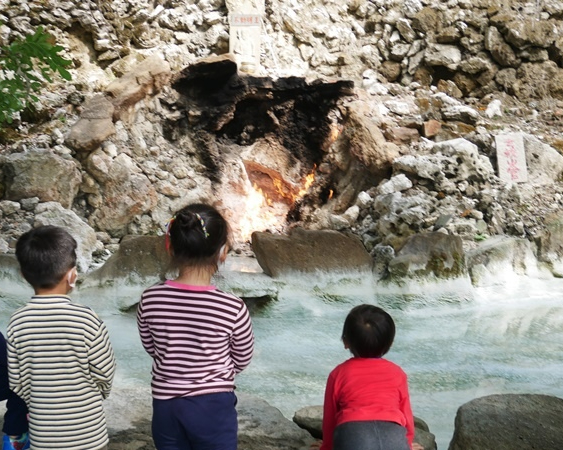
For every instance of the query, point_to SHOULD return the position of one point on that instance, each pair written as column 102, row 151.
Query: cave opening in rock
column 262, row 141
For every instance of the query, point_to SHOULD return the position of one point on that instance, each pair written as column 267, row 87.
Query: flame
column 309, row 180
column 330, row 193
column 262, row 213
column 258, row 214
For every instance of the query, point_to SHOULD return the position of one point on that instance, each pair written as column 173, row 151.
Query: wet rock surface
column 509, row 421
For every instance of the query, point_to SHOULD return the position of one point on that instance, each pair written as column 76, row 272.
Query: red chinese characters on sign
column 511, row 159
column 245, row 20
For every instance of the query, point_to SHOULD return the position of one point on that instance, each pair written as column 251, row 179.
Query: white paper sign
column 511, row 157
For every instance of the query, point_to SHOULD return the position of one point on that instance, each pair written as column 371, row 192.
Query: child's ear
column 71, row 277
column 223, row 253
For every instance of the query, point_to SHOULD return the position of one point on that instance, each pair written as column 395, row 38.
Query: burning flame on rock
column 261, row 213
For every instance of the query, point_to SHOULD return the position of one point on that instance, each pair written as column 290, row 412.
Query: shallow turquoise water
column 454, row 346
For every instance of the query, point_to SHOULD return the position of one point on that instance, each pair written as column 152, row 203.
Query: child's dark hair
column 196, row 234
column 368, row 331
column 45, row 255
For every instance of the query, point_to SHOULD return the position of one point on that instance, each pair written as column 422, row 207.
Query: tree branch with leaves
column 25, row 65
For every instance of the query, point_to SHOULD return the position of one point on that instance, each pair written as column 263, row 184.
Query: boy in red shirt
column 367, row 404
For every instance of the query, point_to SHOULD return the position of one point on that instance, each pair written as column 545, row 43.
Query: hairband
column 205, row 233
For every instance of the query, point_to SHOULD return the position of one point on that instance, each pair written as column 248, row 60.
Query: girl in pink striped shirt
column 198, row 336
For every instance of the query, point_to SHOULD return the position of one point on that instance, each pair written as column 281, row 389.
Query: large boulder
column 263, row 427
column 12, row 281
column 140, row 262
column 498, row 256
column 428, row 255
column 94, row 126
column 509, row 422
column 42, row 174
column 550, row 243
column 125, row 192
column 147, row 78
column 366, row 143
column 309, row 251
column 544, row 163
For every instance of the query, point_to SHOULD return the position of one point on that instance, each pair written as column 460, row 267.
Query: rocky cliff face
column 378, row 118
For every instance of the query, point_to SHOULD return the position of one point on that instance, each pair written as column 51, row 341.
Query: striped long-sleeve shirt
column 60, row 361
column 198, row 336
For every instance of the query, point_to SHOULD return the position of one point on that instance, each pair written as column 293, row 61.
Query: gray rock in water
column 263, row 427
column 498, row 255
column 509, row 422
column 309, row 251
column 140, row 261
column 310, row 418
column 429, row 254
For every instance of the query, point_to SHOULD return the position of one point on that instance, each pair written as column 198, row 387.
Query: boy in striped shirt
column 60, row 360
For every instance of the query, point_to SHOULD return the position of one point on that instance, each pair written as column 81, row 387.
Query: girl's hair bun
column 196, row 235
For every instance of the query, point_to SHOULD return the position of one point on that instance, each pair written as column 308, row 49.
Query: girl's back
column 201, row 338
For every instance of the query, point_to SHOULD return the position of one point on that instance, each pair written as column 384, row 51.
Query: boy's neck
column 60, row 289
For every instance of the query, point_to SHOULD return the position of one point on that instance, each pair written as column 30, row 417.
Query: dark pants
column 201, row 422
column 370, row 435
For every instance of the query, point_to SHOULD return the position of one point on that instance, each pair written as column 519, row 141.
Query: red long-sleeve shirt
column 363, row 389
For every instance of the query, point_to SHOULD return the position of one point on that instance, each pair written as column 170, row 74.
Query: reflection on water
column 454, row 347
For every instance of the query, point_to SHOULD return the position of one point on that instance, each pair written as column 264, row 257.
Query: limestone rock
column 42, row 174
column 428, row 20
column 309, row 251
column 53, row 213
column 469, row 164
column 125, row 192
column 501, row 52
column 310, row 418
column 544, row 163
column 94, row 126
column 140, row 261
column 429, row 254
column 148, row 78
column 366, row 142
column 535, row 80
column 531, row 32
column 261, row 426
column 550, row 243
column 443, row 55
column 509, row 422
column 500, row 255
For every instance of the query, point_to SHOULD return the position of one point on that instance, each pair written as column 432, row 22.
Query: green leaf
column 21, row 61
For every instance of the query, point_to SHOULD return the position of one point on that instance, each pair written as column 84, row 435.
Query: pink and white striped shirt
column 198, row 336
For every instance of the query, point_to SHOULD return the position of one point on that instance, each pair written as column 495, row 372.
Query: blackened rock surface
column 241, row 109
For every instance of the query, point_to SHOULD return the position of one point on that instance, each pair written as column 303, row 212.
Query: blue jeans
column 201, row 422
column 370, row 435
